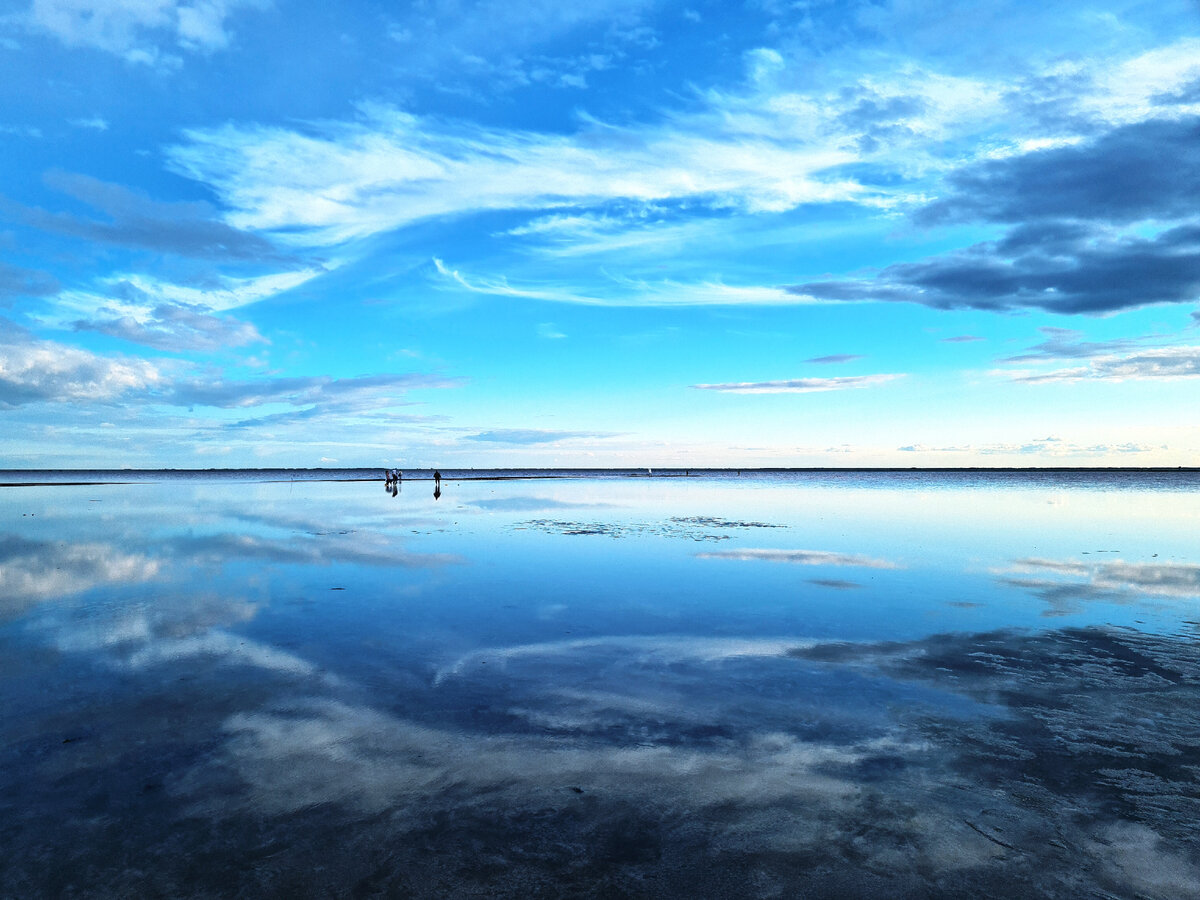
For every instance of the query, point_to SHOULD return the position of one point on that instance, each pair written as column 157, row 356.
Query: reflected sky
column 692, row 687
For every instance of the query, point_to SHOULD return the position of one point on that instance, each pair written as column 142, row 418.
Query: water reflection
column 34, row 571
column 801, row 558
column 318, row 691
column 1065, row 585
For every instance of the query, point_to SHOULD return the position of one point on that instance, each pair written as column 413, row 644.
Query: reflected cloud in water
column 323, row 549
column 1067, row 584
column 496, row 706
column 531, row 504
column 33, row 571
column 801, row 558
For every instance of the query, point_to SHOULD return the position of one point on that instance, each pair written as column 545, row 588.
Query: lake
column 767, row 684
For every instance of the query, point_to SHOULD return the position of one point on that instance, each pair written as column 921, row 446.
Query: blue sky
column 450, row 233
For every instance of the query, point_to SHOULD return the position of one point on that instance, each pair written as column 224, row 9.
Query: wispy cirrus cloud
column 1067, row 343
column 618, row 291
column 1142, row 365
column 389, row 169
column 834, row 359
column 532, row 436
column 147, row 303
column 759, row 148
column 300, row 391
column 800, row 385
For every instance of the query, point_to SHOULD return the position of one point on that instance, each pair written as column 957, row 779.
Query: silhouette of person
column 437, row 491
column 437, row 477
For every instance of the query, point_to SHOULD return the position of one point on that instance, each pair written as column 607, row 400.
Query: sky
column 616, row 233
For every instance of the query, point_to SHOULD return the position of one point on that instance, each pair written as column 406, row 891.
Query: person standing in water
column 437, row 477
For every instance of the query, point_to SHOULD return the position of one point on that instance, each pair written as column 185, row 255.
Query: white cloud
column 33, row 370
column 133, row 28
column 137, row 295
column 760, row 149
column 1144, row 365
column 95, row 123
column 631, row 292
column 1126, row 91
column 338, row 181
column 800, row 385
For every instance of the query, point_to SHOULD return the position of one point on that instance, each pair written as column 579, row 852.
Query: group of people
column 393, row 477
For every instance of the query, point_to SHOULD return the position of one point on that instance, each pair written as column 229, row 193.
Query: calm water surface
column 779, row 685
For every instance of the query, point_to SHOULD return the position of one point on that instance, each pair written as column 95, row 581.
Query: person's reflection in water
column 437, row 492
column 395, row 488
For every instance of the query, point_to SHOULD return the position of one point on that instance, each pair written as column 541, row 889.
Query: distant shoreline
column 84, row 477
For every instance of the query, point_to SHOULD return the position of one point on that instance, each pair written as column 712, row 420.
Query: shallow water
column 784, row 684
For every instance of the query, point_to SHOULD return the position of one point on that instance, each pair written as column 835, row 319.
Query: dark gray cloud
column 531, row 436
column 178, row 327
column 18, row 282
column 1148, row 170
column 1058, row 268
column 191, row 229
column 1064, row 251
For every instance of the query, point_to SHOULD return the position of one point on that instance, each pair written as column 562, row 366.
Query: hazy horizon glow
column 636, row 232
